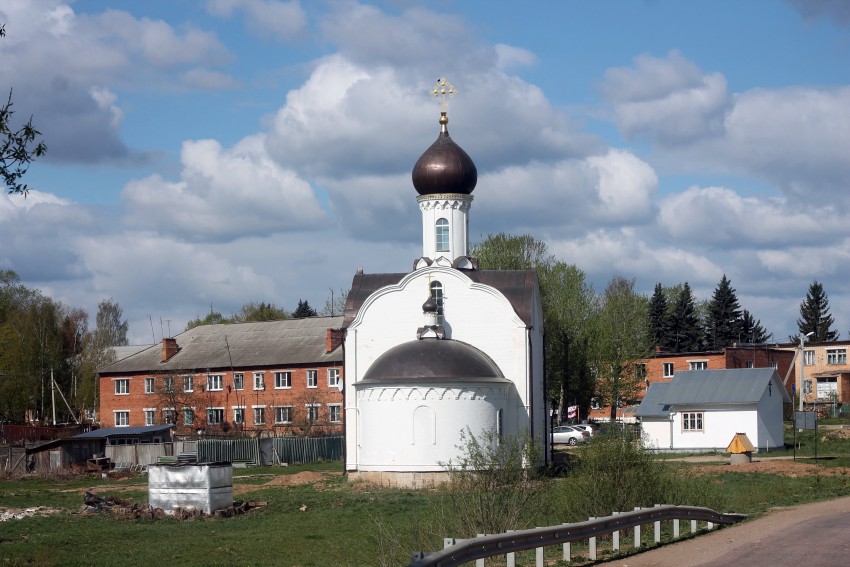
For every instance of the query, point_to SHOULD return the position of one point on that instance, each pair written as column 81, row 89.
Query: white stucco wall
column 410, row 428
column 655, row 433
column 473, row 313
column 720, row 424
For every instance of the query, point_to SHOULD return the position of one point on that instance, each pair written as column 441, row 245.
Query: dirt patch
column 297, row 479
column 789, row 468
column 306, row 477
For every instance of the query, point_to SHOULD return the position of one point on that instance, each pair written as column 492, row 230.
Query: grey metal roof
column 516, row 285
column 433, row 360
column 122, row 352
column 270, row 343
column 124, row 432
column 736, row 386
column 651, row 405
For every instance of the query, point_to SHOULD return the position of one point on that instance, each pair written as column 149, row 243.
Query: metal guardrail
column 507, row 544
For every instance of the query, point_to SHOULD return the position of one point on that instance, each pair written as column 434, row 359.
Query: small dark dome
column 430, row 306
column 433, row 360
column 444, row 167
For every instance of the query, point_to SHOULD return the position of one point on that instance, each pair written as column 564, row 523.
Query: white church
column 443, row 348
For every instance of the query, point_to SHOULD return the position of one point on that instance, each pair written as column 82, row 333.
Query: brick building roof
column 239, row 345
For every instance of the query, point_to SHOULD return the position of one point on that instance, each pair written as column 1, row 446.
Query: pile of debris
column 123, row 509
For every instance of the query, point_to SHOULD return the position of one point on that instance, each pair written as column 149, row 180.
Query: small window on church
column 437, row 293
column 442, row 235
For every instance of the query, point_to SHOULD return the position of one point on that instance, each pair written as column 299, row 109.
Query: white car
column 591, row 429
column 567, row 434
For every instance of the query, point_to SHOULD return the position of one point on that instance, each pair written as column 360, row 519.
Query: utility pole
column 803, row 339
column 53, row 396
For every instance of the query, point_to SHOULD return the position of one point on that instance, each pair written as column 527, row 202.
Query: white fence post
column 637, row 530
column 567, row 549
column 709, row 525
column 538, row 557
column 615, row 537
column 657, row 529
column 510, row 558
column 479, row 562
column 591, row 544
column 676, row 528
column 693, row 526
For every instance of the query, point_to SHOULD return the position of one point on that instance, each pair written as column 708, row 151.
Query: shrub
column 494, row 485
column 616, row 474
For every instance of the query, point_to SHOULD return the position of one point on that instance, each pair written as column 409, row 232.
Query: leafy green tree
column 335, row 304
column 685, row 328
column 111, row 331
column 658, row 318
column 723, row 322
column 623, row 340
column 752, row 330
column 303, row 310
column 18, row 147
column 258, row 312
column 211, row 318
column 31, row 343
column 569, row 305
column 815, row 317
column 507, row 252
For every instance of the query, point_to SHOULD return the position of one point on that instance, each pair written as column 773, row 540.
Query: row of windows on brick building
column 283, row 415
column 215, row 382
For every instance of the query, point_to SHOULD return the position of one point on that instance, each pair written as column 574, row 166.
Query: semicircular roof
column 433, row 360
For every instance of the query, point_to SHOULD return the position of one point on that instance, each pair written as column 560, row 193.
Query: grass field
column 332, row 521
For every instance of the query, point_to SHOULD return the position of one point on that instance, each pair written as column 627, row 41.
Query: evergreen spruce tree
column 724, row 316
column 815, row 317
column 303, row 310
column 752, row 331
column 658, row 324
column 685, row 330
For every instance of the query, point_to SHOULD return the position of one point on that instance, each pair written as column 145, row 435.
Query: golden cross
column 443, row 91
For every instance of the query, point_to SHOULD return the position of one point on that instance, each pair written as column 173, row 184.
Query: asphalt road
column 811, row 535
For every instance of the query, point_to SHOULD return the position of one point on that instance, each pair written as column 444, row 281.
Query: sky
column 214, row 153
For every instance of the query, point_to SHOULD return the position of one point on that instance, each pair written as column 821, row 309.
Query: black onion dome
column 433, row 360
column 430, row 306
column 444, row 167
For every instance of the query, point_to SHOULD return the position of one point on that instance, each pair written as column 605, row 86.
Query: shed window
column 692, row 421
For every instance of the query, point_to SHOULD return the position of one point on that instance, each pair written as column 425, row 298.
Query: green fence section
column 307, row 449
column 282, row 450
column 231, row 450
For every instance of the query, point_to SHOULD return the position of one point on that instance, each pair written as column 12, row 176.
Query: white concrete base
column 740, row 458
column 400, row 479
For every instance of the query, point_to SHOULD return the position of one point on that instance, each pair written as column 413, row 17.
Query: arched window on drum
column 442, row 235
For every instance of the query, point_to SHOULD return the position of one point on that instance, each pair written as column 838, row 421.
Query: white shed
column 702, row 410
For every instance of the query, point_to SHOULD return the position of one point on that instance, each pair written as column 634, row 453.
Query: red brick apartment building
column 272, row 378
column 661, row 367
